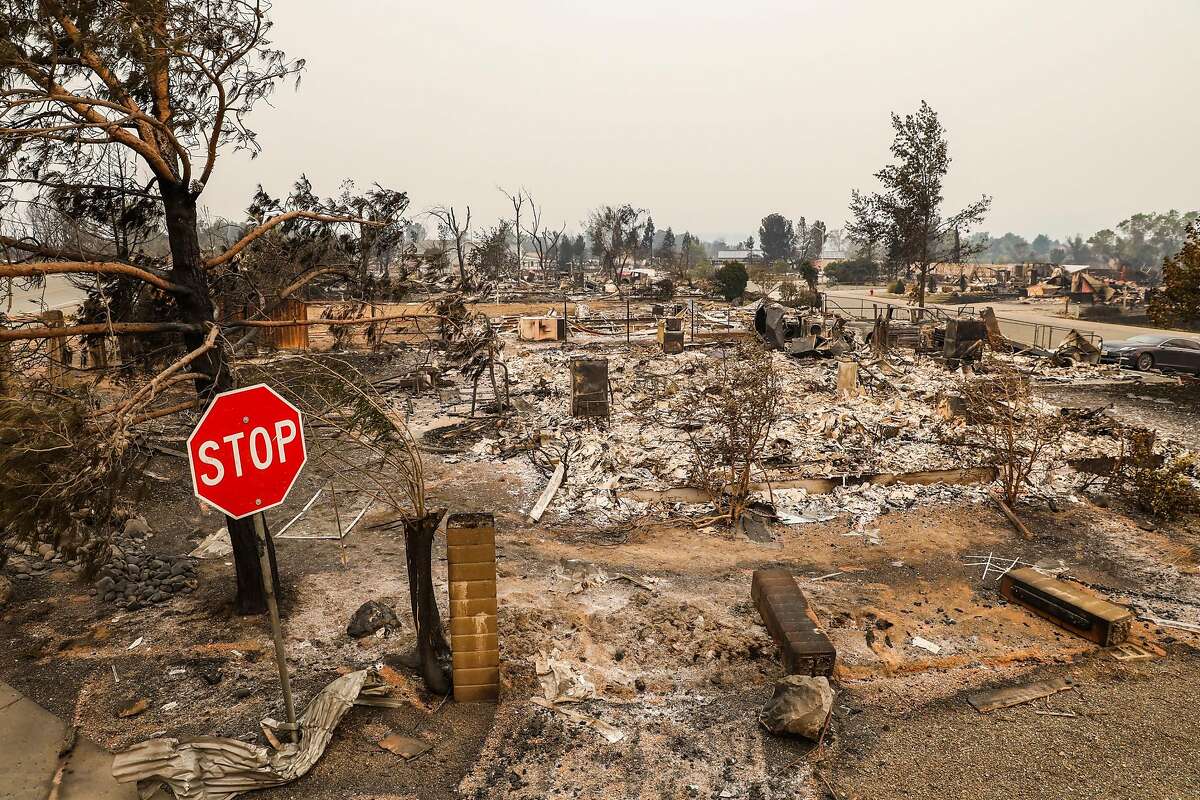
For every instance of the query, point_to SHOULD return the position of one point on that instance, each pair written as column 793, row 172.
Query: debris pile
column 826, row 455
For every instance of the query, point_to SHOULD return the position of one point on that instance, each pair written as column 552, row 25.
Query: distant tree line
column 1140, row 242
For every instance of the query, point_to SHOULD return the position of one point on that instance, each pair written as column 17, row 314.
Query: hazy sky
column 1072, row 115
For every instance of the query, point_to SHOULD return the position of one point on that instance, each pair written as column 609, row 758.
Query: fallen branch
column 167, row 411
column 152, row 277
column 99, row 328
column 165, row 378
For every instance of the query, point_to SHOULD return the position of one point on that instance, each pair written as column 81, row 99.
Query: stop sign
column 246, row 451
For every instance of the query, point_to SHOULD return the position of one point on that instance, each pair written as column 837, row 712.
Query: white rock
column 800, row 706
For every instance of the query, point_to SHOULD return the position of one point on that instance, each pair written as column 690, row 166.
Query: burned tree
column 168, row 84
column 614, row 234
column 517, row 200
column 491, row 258
column 453, row 228
column 302, row 251
column 545, row 241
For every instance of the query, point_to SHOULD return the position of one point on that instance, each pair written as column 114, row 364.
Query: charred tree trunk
column 433, row 651
column 187, row 268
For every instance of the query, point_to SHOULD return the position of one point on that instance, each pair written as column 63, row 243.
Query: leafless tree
column 544, row 240
column 517, row 200
column 1002, row 425
column 458, row 231
column 728, row 412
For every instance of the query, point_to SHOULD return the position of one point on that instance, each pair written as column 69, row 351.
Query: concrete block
column 481, row 571
column 469, row 608
column 474, row 644
column 477, row 676
column 472, row 590
column 476, row 659
column 471, row 554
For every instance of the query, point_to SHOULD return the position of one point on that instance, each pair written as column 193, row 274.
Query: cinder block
column 483, row 571
column 469, row 608
column 460, row 537
column 1068, row 605
column 472, row 590
column 474, row 644
column 471, row 554
column 477, row 676
column 472, row 626
column 475, row 659
column 476, row 694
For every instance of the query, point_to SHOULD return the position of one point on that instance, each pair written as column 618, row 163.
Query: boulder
column 6, row 590
column 800, row 706
column 370, row 617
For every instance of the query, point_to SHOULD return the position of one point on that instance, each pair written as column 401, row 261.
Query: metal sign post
column 245, row 455
column 291, row 730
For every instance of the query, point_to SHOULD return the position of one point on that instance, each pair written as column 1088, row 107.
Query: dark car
column 1154, row 350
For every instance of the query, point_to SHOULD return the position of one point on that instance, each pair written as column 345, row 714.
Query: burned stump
column 433, row 651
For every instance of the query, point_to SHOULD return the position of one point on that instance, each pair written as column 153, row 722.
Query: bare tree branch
column 113, row 329
column 150, row 276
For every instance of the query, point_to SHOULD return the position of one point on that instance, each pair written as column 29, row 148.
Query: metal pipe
column 268, row 577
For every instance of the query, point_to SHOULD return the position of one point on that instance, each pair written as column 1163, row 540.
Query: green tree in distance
column 910, row 204
column 731, row 280
column 777, row 237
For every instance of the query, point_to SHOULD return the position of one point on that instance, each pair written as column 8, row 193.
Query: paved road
column 1031, row 323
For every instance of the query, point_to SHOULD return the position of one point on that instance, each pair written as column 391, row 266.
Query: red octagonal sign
column 246, row 451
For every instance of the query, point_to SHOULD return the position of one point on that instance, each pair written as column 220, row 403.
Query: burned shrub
column 61, row 473
column 1001, row 425
column 1160, row 488
column 1166, row 493
column 727, row 412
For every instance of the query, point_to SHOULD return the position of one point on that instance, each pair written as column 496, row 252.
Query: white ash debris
column 895, row 426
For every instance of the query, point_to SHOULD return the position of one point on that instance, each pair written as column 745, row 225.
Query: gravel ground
column 1136, row 733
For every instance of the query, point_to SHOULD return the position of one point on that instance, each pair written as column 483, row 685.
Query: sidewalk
column 30, row 740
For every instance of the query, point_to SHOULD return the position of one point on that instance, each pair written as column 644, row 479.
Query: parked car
column 1154, row 350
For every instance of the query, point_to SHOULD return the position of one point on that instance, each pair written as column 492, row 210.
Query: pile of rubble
column 893, row 425
column 42, row 558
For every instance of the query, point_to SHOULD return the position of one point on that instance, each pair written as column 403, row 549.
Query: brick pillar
column 471, row 555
